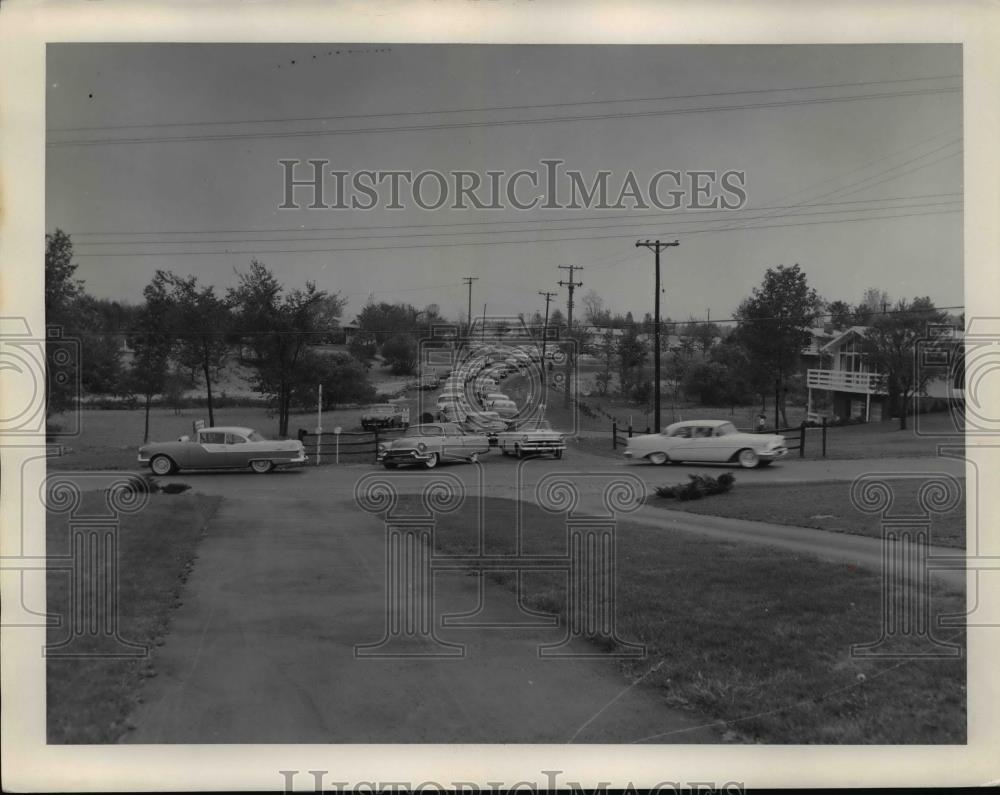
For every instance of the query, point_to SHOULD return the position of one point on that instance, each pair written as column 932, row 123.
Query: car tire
column 431, row 462
column 261, row 467
column 162, row 465
column 747, row 458
column 658, row 458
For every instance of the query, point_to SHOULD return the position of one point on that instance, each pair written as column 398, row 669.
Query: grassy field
column 826, row 506
column 755, row 638
column 89, row 700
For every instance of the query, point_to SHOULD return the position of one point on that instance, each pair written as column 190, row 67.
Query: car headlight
column 524, row 438
column 382, row 448
column 421, row 447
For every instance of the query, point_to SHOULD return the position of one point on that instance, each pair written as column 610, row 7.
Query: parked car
column 429, row 381
column 531, row 437
column 222, row 448
column 488, row 422
column 505, row 408
column 431, row 444
column 817, row 417
column 385, row 415
column 715, row 441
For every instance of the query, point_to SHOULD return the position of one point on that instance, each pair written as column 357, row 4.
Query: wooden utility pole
column 572, row 285
column 544, row 380
column 656, row 247
column 545, row 324
column 469, row 280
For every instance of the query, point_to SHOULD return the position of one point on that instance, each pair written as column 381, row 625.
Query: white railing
column 844, row 381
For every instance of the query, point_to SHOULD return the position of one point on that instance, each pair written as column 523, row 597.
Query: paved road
column 291, row 578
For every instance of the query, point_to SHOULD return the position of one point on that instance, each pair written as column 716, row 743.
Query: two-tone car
column 532, row 437
column 707, row 441
column 222, row 448
column 430, row 444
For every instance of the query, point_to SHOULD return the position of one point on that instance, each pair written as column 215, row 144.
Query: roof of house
column 859, row 330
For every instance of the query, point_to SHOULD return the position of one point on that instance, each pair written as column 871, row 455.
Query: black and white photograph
column 435, row 393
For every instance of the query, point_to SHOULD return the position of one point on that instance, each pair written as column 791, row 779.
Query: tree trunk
column 208, row 391
column 145, row 432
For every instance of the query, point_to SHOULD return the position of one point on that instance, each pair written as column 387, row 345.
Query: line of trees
column 185, row 331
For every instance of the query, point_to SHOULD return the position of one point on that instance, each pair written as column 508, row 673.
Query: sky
column 202, row 196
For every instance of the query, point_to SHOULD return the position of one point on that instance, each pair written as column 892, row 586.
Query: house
column 855, row 389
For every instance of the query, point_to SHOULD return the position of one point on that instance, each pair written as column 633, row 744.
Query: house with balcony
column 847, row 386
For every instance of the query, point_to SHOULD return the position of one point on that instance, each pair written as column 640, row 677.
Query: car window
column 256, row 437
column 234, row 438
column 211, row 437
column 726, row 429
column 702, row 432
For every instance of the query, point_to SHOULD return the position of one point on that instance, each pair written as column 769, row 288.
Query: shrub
column 698, row 486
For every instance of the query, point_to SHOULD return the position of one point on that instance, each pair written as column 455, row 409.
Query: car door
column 211, row 450
column 238, row 450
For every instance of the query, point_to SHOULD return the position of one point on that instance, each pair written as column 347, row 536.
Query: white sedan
column 708, row 441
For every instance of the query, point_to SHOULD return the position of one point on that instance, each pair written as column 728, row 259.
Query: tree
column 873, row 302
column 841, row 315
column 61, row 293
column 891, row 342
column 152, row 345
column 200, row 322
column 709, row 381
column 280, row 325
column 594, row 311
column 632, row 353
column 400, row 353
column 344, row 380
column 699, row 335
column 774, row 325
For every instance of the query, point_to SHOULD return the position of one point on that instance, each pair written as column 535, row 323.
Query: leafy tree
column 62, row 290
column 401, row 354
column 344, row 380
column 632, row 352
column 841, row 315
column 594, row 311
column 709, row 381
column 891, row 342
column 699, row 335
column 739, row 372
column 281, row 324
column 199, row 321
column 153, row 345
column 774, row 325
column 874, row 302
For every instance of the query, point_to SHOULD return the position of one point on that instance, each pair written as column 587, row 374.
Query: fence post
column 614, row 435
column 824, row 437
column 630, row 431
column 802, row 439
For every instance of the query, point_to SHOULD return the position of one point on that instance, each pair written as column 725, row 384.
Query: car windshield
column 426, row 430
column 253, row 436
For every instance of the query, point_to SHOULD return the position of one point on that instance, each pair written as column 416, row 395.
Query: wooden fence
column 350, row 447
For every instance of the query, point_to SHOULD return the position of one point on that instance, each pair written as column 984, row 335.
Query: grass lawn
column 826, row 506
column 89, row 699
column 756, row 638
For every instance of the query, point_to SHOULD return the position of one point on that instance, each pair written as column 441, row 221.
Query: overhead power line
column 657, row 216
column 463, row 125
column 264, row 252
column 494, row 108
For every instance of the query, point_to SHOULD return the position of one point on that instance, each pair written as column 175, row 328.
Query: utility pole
column 543, row 384
column 656, row 247
column 572, row 285
column 469, row 280
column 545, row 326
